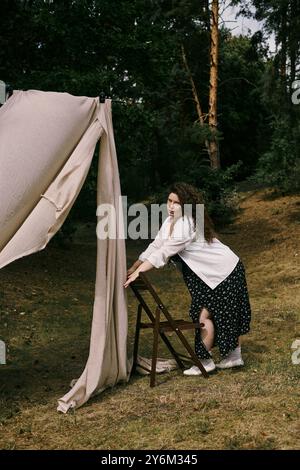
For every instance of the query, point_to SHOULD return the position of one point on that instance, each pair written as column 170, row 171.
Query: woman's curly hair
column 188, row 194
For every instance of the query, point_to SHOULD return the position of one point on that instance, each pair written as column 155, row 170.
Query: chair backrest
column 143, row 284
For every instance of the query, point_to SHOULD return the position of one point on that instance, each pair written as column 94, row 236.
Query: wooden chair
column 159, row 328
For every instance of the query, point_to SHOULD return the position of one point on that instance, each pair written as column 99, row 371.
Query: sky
column 241, row 25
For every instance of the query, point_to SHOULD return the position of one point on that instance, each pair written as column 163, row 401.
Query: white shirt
column 212, row 262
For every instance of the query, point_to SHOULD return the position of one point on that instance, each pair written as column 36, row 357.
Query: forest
column 192, row 100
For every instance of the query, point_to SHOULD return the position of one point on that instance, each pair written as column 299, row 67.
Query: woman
column 213, row 273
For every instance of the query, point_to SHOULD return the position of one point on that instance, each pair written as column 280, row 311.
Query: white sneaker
column 208, row 365
column 228, row 363
column 194, row 370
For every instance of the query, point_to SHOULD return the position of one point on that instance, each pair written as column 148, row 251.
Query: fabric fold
column 47, row 142
column 107, row 362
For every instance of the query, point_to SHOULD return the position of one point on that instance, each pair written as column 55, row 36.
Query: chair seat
column 180, row 324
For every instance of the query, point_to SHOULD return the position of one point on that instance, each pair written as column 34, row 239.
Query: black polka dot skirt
column 228, row 305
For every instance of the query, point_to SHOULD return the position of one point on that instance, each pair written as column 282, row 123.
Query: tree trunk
column 293, row 40
column 213, row 85
column 195, row 94
column 283, row 52
column 193, row 86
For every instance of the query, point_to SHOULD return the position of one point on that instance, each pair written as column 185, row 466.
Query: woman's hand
column 130, row 271
column 140, row 267
column 134, row 267
column 131, row 278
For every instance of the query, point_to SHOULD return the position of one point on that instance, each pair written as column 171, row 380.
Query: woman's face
column 174, row 207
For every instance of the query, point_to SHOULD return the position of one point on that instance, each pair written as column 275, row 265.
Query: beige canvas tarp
column 47, row 142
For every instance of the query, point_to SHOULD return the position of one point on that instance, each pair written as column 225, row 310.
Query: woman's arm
column 134, row 267
column 183, row 236
column 154, row 245
column 145, row 266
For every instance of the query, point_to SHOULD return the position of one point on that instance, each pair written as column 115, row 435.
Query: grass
column 46, row 305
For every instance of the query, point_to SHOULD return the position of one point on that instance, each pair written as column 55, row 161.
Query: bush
column 280, row 166
column 219, row 190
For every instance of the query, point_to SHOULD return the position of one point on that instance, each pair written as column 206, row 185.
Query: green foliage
column 242, row 111
column 219, row 190
column 132, row 51
column 280, row 166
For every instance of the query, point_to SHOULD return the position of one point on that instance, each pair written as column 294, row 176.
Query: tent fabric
column 47, row 142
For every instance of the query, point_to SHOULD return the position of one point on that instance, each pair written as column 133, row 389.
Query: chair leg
column 155, row 347
column 172, row 351
column 193, row 355
column 137, row 337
